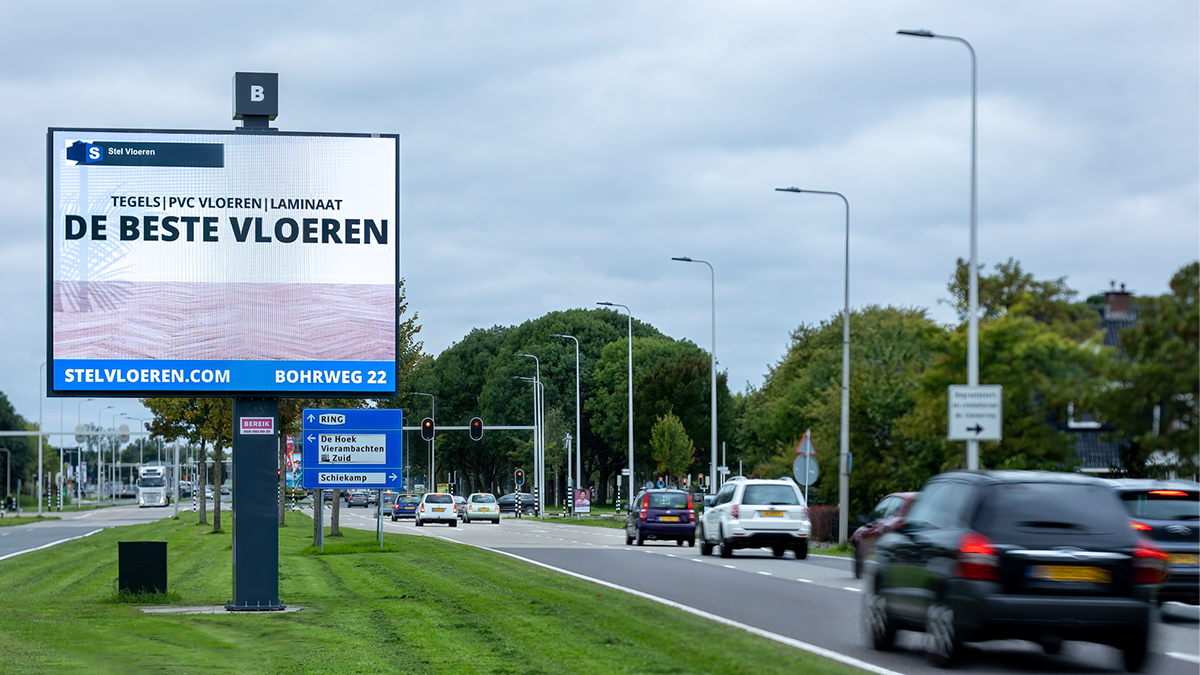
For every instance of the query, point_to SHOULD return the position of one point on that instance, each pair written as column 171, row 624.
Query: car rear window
column 770, row 495
column 1163, row 504
column 667, row 500
column 408, row 500
column 439, row 499
column 482, row 499
column 1054, row 509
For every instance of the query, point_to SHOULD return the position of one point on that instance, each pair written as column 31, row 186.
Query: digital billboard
column 222, row 263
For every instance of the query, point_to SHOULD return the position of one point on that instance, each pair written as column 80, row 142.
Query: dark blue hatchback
column 405, row 506
column 661, row 514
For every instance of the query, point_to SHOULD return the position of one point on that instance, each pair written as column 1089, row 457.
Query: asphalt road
column 74, row 524
column 815, row 600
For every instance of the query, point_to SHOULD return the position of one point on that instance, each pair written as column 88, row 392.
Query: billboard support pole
column 255, row 526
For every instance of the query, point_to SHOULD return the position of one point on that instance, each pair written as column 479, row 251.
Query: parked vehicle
column 1168, row 513
column 405, row 506
column 508, row 503
column 661, row 514
column 482, row 506
column 1039, row 556
column 755, row 513
column 436, row 507
column 885, row 517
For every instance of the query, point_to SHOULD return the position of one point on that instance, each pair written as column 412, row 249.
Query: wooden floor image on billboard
column 232, row 321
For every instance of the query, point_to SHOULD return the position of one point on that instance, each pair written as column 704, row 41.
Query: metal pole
column 539, row 469
column 432, row 416
column 41, row 427
column 844, row 452
column 629, row 313
column 973, row 270
column 713, row 357
column 578, row 423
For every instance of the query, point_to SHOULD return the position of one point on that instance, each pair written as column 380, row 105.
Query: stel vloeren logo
column 85, row 153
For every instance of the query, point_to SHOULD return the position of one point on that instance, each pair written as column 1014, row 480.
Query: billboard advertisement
column 222, row 263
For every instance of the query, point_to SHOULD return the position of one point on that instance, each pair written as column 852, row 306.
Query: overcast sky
column 556, row 154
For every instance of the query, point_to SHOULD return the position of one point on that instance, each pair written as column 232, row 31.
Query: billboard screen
column 220, row 263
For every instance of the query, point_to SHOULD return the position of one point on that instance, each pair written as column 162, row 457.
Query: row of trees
column 1036, row 339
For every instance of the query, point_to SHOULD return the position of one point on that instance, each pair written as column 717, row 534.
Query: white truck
column 152, row 487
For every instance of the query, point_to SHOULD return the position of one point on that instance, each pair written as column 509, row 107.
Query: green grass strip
column 424, row 606
column 10, row 521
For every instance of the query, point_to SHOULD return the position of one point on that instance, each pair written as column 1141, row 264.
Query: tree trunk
column 334, row 530
column 318, row 503
column 218, row 481
column 203, row 475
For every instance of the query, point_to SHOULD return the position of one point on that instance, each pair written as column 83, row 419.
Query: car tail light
column 1140, row 527
column 1169, row 493
column 1149, row 564
column 422, row 508
column 645, row 505
column 734, row 511
column 977, row 558
column 688, row 517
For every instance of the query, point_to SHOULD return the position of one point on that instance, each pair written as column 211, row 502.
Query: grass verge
column 602, row 521
column 428, row 606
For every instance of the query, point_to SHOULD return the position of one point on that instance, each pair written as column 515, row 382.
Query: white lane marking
column 766, row 574
column 1185, row 657
column 53, row 543
column 851, row 588
column 782, row 639
column 807, row 581
column 670, row 555
column 729, row 567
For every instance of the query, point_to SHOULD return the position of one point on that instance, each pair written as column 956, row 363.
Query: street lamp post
column 42, row 427
column 578, row 432
column 712, row 368
column 629, row 314
column 537, row 393
column 115, row 465
column 7, row 473
column 844, row 453
column 973, row 270
column 432, row 416
column 539, row 449
column 79, row 456
column 100, row 459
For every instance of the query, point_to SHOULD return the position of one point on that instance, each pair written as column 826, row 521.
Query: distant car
column 1168, row 513
column 885, row 517
column 755, row 513
column 372, row 496
column 328, row 495
column 405, row 506
column 661, row 514
column 482, row 506
column 508, row 503
column 358, row 498
column 460, row 506
column 437, row 507
column 1014, row 555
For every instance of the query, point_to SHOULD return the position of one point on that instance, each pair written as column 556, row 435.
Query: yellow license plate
column 668, row 519
column 1094, row 575
column 772, row 514
column 485, row 509
column 436, row 509
column 1183, row 558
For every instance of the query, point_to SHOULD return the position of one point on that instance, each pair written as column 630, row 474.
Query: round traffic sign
column 79, row 431
column 805, row 469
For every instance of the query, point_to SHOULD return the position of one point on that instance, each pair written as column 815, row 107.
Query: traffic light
column 519, row 477
column 427, row 429
column 476, row 429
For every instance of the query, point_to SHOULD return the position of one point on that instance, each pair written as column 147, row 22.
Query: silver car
column 753, row 513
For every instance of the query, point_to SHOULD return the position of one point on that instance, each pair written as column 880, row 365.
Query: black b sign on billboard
column 255, row 95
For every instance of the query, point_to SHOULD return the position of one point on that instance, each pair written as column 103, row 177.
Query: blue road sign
column 352, row 448
column 356, row 419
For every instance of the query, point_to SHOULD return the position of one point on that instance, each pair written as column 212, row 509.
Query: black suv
column 1023, row 555
column 1168, row 513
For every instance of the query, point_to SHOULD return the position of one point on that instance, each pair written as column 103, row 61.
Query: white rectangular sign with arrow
column 975, row 413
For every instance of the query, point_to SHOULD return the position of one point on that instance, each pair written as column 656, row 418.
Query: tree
column 1154, row 407
column 670, row 447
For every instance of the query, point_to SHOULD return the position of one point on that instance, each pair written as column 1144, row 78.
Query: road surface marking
column 1186, row 657
column 767, row 574
column 807, row 581
column 729, row 567
column 53, row 543
column 851, row 588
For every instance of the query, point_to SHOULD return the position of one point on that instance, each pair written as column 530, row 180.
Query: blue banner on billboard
column 353, row 448
column 204, row 375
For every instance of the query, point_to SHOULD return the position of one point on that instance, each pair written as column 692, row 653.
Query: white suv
column 751, row 513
